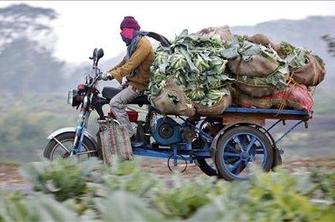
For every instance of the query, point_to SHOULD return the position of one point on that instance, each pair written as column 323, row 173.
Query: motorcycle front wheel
column 61, row 145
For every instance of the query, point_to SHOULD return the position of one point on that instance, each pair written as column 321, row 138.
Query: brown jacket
column 141, row 61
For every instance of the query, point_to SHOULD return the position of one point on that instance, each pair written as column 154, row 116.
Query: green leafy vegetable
column 196, row 63
column 126, row 193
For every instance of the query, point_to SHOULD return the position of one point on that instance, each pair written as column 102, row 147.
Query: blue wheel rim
column 241, row 152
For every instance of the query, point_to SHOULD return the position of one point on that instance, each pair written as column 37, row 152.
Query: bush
column 90, row 191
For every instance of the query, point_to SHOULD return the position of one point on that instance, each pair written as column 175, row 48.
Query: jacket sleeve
column 118, row 65
column 142, row 51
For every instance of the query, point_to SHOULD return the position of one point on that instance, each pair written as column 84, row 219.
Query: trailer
column 240, row 141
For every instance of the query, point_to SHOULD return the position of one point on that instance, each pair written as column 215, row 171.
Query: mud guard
column 72, row 130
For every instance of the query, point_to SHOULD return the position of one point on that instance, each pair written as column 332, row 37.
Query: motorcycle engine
column 166, row 131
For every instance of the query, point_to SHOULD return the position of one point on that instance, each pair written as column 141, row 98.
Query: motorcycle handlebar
column 96, row 78
column 96, row 56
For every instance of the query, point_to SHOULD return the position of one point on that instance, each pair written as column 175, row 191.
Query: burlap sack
column 123, row 144
column 294, row 96
column 223, row 31
column 115, row 142
column 263, row 40
column 310, row 74
column 182, row 106
column 258, row 66
column 243, row 100
column 215, row 109
column 255, row 91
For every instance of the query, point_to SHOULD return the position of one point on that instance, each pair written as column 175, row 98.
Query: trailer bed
column 258, row 116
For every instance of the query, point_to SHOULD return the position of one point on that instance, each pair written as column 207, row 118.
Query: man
column 135, row 67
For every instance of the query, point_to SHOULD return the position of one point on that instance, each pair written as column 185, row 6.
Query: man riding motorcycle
column 135, row 67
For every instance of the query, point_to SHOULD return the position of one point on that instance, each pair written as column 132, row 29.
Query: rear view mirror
column 100, row 53
column 95, row 53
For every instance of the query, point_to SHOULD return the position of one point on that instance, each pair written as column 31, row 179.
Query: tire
column 67, row 139
column 206, row 168
column 231, row 159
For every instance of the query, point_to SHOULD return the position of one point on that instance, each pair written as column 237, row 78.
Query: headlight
column 69, row 97
column 74, row 97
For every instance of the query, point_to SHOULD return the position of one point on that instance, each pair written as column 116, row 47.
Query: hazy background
column 45, row 48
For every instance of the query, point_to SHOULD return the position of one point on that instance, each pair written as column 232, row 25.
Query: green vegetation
column 25, row 123
column 26, row 56
column 24, row 126
column 91, row 191
column 33, row 82
column 196, row 64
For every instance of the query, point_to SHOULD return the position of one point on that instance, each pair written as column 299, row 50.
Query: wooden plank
column 232, row 119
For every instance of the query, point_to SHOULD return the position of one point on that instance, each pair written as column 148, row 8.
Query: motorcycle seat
column 110, row 92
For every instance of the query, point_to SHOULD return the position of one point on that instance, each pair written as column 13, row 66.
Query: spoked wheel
column 239, row 149
column 60, row 147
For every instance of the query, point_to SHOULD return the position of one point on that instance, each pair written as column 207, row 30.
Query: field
column 306, row 179
column 144, row 191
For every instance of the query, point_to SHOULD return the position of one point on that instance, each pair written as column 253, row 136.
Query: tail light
column 133, row 116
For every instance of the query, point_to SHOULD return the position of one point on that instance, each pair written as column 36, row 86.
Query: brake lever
column 98, row 77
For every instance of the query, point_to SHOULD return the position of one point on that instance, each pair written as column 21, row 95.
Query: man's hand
column 106, row 76
column 124, row 81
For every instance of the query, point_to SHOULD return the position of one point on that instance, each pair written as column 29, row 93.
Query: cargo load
column 295, row 96
column 204, row 73
column 197, row 67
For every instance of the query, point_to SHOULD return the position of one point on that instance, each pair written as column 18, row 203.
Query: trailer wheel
column 239, row 149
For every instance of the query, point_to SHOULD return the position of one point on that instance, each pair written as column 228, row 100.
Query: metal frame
column 166, row 153
column 190, row 154
column 288, row 131
column 266, row 111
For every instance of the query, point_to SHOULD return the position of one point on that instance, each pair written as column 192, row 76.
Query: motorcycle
column 185, row 141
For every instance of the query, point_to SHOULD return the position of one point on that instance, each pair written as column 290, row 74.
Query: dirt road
column 10, row 178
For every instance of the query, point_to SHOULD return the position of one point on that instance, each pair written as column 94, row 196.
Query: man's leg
column 118, row 106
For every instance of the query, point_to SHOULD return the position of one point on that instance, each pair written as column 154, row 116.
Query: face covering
column 127, row 35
